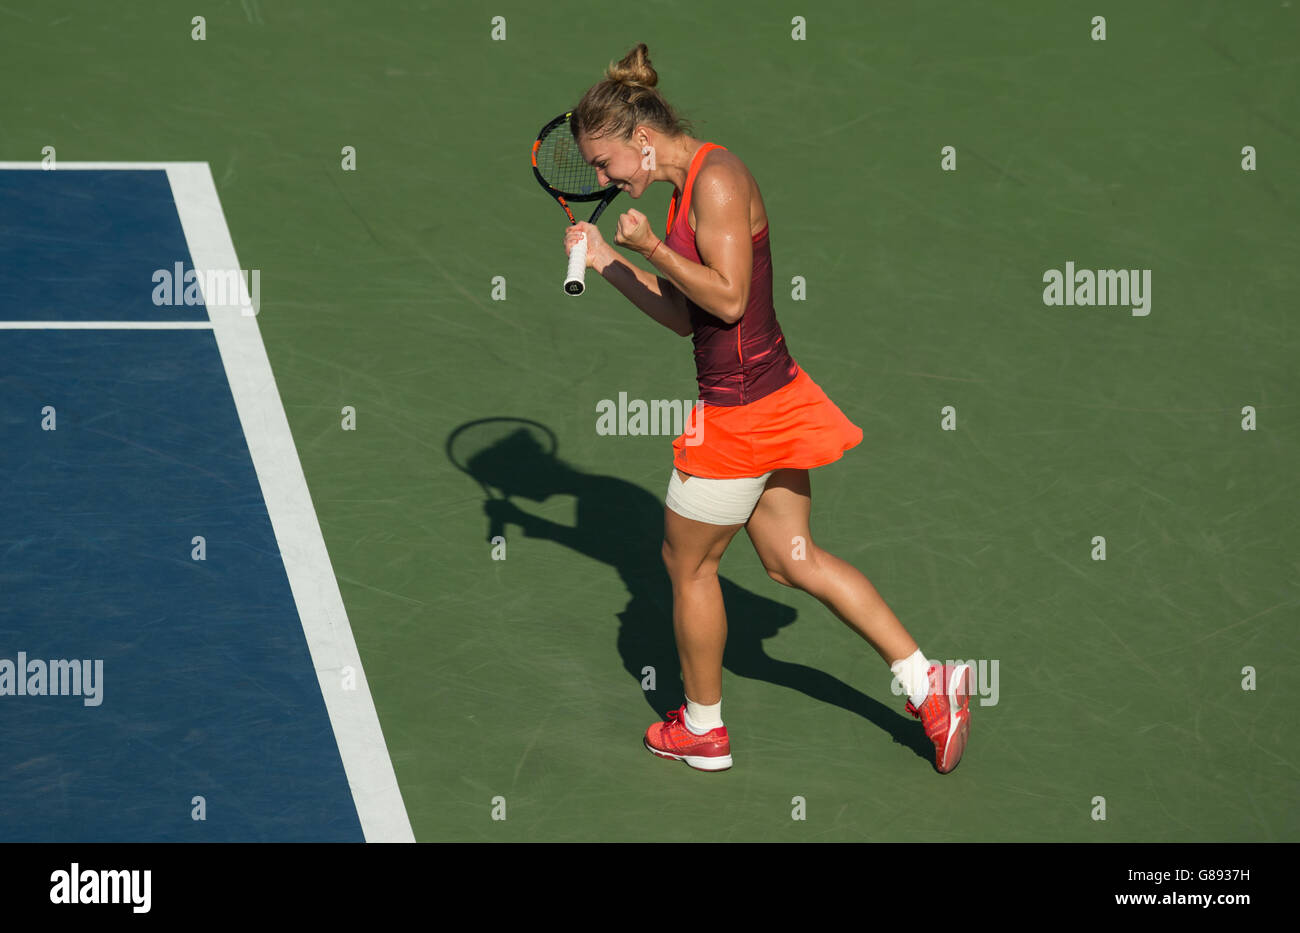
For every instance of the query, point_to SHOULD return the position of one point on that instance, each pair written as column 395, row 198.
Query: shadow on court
column 620, row 524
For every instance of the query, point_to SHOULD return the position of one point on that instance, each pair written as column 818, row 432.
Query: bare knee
column 778, row 571
column 777, row 575
column 796, row 570
column 666, row 552
column 788, row 577
column 683, row 568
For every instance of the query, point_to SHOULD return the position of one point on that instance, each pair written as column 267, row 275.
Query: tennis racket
column 560, row 170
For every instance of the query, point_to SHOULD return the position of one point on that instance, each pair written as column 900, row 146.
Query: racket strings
column 561, row 164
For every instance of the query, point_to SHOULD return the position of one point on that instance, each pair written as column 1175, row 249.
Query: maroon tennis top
column 739, row 363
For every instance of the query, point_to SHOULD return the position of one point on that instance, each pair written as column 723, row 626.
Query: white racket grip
column 574, row 283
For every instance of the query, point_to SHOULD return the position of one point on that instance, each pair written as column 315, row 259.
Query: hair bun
column 634, row 70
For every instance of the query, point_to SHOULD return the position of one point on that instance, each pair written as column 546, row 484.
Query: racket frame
column 574, row 281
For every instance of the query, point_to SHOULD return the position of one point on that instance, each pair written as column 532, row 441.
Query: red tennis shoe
column 671, row 739
column 945, row 713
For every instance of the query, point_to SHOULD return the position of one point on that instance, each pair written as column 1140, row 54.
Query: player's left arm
column 721, row 285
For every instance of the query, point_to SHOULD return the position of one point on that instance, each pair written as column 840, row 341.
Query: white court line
column 105, row 325
column 297, row 530
column 352, row 713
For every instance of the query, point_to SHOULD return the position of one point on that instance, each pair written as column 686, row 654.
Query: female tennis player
column 761, row 424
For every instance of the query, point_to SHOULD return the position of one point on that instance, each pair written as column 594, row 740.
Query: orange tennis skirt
column 796, row 427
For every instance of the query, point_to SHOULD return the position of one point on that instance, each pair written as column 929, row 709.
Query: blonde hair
column 626, row 99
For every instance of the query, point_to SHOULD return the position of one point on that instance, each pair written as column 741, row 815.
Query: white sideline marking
column 288, row 502
column 315, row 589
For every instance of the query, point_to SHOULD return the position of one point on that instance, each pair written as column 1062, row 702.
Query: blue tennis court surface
column 83, row 245
column 134, row 678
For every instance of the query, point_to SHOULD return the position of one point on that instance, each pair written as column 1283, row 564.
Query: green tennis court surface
column 514, row 687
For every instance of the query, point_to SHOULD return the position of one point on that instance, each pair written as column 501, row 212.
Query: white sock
column 912, row 673
column 700, row 718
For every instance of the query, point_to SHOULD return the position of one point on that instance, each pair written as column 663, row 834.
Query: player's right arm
column 656, row 296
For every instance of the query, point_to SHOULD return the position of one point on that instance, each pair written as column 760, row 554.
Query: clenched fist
column 634, row 232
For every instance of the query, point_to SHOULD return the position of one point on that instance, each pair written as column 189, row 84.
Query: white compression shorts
column 715, row 501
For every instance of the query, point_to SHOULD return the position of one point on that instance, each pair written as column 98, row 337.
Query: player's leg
column 701, row 516
column 779, row 530
column 692, row 550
